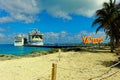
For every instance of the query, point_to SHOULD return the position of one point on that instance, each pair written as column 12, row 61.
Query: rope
column 115, row 64
column 110, row 74
column 100, row 76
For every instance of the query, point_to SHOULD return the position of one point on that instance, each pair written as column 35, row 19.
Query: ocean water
column 19, row 50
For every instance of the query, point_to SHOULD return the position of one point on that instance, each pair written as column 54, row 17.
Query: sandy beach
column 82, row 65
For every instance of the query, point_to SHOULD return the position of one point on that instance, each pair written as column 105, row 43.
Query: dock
column 53, row 46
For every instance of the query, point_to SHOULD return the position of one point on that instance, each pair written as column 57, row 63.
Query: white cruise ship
column 35, row 38
column 20, row 40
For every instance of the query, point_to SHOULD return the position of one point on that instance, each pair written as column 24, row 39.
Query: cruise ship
column 20, row 40
column 35, row 38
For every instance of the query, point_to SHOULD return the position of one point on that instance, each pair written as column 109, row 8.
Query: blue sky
column 59, row 20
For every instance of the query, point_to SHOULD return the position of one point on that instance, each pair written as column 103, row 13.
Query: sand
column 72, row 66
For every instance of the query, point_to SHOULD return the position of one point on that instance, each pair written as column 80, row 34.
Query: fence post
column 59, row 56
column 54, row 71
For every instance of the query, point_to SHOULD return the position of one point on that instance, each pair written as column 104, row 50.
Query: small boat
column 35, row 38
column 20, row 40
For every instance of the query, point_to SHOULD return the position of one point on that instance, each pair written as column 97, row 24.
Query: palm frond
column 105, row 5
column 100, row 27
column 97, row 21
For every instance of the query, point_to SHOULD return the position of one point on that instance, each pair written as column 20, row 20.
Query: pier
column 53, row 46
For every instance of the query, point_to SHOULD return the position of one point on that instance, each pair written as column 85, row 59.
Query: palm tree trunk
column 117, row 41
column 112, row 44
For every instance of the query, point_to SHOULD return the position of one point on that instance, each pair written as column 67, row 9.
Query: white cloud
column 21, row 10
column 7, row 39
column 63, row 8
column 2, row 36
column 6, row 19
column 51, row 37
column 2, row 30
column 64, row 37
column 27, row 10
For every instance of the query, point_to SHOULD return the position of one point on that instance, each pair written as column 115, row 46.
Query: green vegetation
column 76, row 49
column 8, row 57
column 108, row 18
column 40, row 53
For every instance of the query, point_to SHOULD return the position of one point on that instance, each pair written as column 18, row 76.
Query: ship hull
column 36, row 43
column 18, row 44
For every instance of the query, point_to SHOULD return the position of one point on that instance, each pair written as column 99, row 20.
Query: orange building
column 90, row 39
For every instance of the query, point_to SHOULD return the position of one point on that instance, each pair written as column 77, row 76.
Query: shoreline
column 52, row 51
column 32, row 54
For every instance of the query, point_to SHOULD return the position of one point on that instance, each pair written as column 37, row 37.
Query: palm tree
column 106, row 18
column 117, row 24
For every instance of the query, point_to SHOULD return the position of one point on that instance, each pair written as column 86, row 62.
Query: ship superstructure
column 20, row 40
column 35, row 37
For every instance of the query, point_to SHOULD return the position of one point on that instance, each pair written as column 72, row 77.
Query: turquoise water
column 19, row 50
